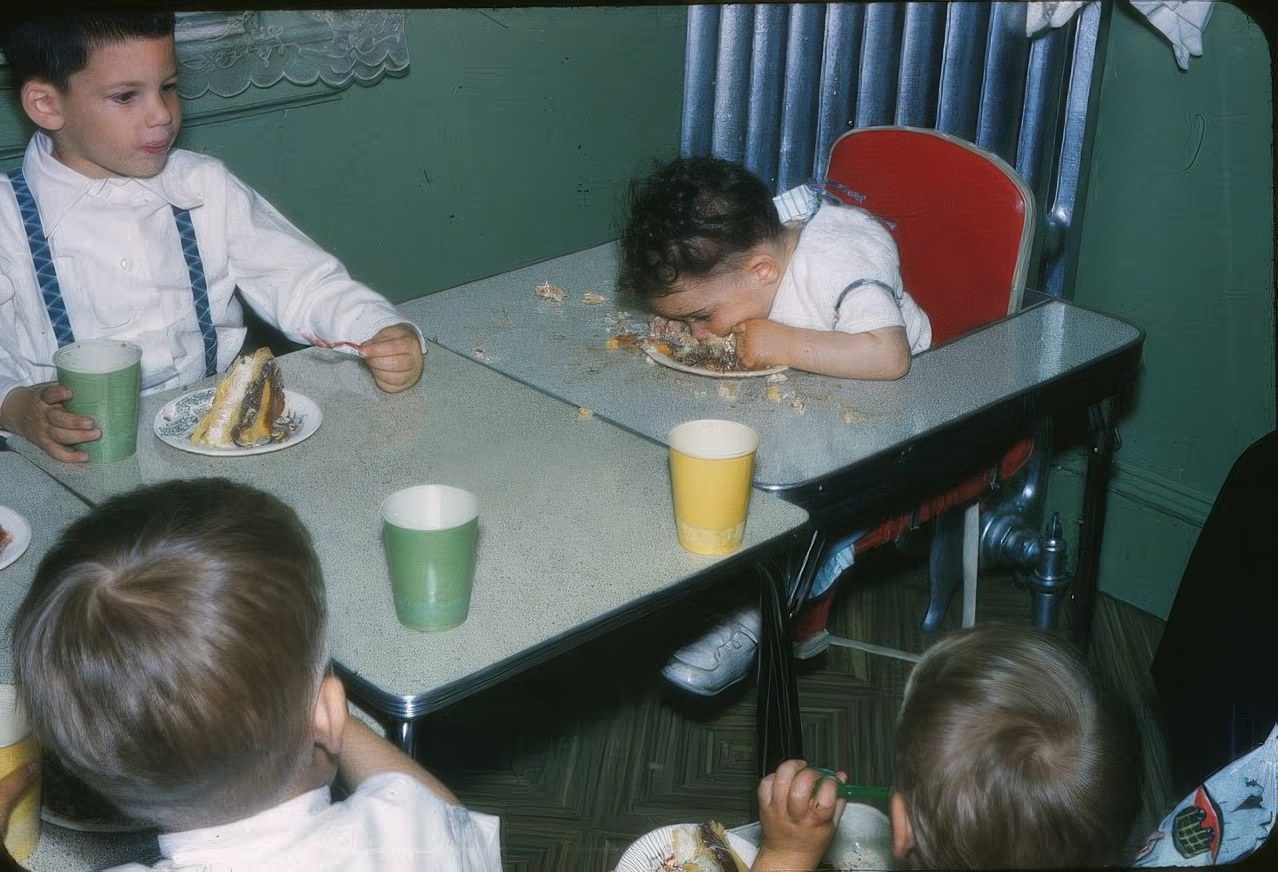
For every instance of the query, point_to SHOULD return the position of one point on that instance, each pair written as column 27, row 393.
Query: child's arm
column 799, row 809
column 365, row 754
column 36, row 413
column 882, row 354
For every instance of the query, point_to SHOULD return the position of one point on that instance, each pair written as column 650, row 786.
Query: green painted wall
column 508, row 140
column 1177, row 236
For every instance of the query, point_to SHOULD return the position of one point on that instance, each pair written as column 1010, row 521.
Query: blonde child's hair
column 1008, row 756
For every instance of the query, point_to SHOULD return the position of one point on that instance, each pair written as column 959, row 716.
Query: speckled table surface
column 48, row 507
column 576, row 522
column 810, row 427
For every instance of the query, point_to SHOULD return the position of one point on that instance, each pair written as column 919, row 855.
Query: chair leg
column 971, row 561
column 946, row 568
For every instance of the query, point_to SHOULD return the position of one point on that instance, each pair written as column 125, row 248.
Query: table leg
column 1100, row 462
column 403, row 734
column 400, row 732
column 779, row 736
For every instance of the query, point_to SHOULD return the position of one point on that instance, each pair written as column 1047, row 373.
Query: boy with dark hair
column 106, row 230
column 172, row 652
column 703, row 244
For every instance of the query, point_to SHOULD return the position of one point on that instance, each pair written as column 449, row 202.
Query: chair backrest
column 962, row 219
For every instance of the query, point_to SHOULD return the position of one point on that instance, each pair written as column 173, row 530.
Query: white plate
column 667, row 360
column 174, row 423
column 646, row 854
column 863, row 840
column 19, row 529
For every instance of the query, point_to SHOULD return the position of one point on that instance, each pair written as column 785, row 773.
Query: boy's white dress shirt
column 391, row 823
column 119, row 262
column 845, row 275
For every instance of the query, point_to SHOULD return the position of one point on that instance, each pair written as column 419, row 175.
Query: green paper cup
column 429, row 533
column 106, row 376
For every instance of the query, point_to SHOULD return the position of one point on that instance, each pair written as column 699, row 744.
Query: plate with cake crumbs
column 716, row 359
column 704, row 847
column 178, row 419
column 15, row 536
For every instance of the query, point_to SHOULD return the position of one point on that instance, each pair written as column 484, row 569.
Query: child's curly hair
column 689, row 219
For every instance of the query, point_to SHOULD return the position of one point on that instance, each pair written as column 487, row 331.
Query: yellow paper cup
column 16, row 749
column 711, row 468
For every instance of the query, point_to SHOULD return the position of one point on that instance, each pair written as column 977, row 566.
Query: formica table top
column 47, row 507
column 810, row 426
column 576, row 521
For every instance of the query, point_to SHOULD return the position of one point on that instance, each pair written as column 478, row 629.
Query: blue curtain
column 773, row 85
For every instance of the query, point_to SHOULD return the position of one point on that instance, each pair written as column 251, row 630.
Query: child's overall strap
column 50, row 290
column 199, row 287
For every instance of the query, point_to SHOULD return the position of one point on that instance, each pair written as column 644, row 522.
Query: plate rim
column 292, row 399
column 661, row 837
column 668, row 361
column 21, row 532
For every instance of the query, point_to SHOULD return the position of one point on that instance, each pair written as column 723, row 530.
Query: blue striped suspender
column 51, row 291
column 43, row 260
column 199, row 287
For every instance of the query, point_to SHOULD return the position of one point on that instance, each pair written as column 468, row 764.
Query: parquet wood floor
column 584, row 754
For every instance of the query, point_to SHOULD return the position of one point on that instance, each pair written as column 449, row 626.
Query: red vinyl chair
column 963, row 221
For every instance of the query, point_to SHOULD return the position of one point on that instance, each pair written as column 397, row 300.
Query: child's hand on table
column 799, row 809
column 762, row 343
column 394, row 356
column 37, row 414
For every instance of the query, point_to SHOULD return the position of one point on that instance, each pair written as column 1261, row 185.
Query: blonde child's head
column 171, row 650
column 102, row 85
column 1008, row 756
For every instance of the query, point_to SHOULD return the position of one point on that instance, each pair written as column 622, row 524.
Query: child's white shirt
column 119, row 262
column 391, row 823
column 845, row 275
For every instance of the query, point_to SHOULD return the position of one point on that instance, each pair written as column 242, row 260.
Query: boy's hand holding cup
column 105, row 376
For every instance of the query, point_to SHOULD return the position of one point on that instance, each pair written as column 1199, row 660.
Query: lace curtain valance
column 224, row 52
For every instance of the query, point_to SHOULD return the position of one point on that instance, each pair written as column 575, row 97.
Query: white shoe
column 720, row 658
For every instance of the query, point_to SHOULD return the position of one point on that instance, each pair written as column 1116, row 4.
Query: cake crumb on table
column 550, row 291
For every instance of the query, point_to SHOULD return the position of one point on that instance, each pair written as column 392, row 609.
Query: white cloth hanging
column 1181, row 21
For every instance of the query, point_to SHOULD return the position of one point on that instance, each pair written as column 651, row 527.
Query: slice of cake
column 247, row 405
column 701, row 848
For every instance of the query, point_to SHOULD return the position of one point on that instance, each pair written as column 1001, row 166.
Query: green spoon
column 856, row 792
